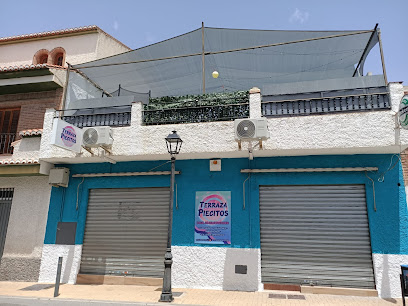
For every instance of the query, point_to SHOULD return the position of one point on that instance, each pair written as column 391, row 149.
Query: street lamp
column 173, row 142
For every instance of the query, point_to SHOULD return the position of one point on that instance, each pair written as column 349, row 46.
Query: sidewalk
column 151, row 294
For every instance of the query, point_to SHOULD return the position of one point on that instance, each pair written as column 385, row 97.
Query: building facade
column 317, row 200
column 32, row 78
column 321, row 202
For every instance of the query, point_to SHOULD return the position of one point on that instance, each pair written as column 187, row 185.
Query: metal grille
column 6, row 197
column 6, row 140
column 315, row 235
column 126, row 232
column 111, row 119
column 327, row 105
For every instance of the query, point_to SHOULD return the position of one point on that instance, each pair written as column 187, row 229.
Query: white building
column 32, row 78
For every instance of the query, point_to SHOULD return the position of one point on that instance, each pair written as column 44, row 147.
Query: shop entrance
column 315, row 235
column 126, row 232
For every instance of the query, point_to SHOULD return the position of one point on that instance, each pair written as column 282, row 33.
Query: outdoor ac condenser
column 97, row 136
column 251, row 129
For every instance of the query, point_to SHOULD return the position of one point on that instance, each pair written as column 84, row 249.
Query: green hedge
column 210, row 99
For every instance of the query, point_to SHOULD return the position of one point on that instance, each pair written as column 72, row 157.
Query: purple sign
column 213, row 217
column 68, row 136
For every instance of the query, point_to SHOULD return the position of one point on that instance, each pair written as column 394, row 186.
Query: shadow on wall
column 67, row 263
column 241, row 270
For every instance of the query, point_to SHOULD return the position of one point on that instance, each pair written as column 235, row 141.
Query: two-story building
column 32, row 79
column 305, row 190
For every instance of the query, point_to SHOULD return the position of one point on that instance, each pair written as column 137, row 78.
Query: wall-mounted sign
column 403, row 112
column 66, row 136
column 213, row 217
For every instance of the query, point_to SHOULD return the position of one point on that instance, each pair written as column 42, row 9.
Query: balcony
column 360, row 121
column 6, row 139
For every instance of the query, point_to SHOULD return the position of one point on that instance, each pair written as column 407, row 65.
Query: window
column 57, row 56
column 60, row 60
column 43, row 59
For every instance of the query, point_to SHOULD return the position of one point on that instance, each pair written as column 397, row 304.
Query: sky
column 140, row 23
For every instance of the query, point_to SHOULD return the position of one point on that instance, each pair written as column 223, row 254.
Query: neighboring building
column 32, row 78
column 321, row 201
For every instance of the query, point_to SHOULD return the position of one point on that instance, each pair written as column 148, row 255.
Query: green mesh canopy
column 295, row 56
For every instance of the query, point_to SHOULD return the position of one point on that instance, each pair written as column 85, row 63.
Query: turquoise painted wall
column 388, row 225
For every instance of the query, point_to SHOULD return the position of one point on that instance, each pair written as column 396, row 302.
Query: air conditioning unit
column 251, row 129
column 97, row 136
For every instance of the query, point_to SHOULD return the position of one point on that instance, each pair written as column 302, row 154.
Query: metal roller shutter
column 126, row 232
column 315, row 235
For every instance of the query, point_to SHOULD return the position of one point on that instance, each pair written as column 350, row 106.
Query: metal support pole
column 382, row 58
column 365, row 49
column 203, row 55
column 167, row 294
column 402, row 288
column 58, row 279
column 64, row 95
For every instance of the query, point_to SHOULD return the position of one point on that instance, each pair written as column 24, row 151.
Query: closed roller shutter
column 315, row 235
column 126, row 232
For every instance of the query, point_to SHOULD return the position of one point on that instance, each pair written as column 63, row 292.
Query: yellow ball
column 215, row 74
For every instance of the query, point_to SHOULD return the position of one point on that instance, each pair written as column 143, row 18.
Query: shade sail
column 296, row 56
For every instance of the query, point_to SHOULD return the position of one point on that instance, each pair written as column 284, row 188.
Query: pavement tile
column 148, row 294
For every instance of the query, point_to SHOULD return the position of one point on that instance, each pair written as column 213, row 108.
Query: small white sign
column 66, row 135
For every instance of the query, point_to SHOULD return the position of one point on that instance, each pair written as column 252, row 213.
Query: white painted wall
column 70, row 263
column 78, row 48
column 370, row 132
column 107, row 46
column 28, row 216
column 214, row 268
column 25, row 148
column 387, row 268
column 81, row 47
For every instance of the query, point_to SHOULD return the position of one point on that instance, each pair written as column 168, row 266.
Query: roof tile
column 32, row 132
column 49, row 33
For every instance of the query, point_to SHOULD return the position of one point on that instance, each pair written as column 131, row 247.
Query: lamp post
column 173, row 142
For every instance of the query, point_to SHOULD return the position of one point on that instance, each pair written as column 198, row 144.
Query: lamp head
column 173, row 142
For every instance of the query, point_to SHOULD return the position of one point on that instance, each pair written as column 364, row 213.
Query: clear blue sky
column 139, row 23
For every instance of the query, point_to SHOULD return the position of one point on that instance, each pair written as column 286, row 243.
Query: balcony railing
column 112, row 116
column 6, row 139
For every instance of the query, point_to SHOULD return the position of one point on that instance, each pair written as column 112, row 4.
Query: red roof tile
column 32, row 132
column 19, row 161
column 28, row 67
column 49, row 33
column 58, row 32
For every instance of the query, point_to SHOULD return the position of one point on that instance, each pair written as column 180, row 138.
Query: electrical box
column 59, row 177
column 215, row 165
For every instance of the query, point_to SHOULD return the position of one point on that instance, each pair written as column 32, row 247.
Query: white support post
column 137, row 114
column 255, row 110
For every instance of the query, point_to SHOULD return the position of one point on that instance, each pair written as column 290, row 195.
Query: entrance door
column 315, row 235
column 126, row 232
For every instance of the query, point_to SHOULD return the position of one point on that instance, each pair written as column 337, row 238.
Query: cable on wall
column 375, row 206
